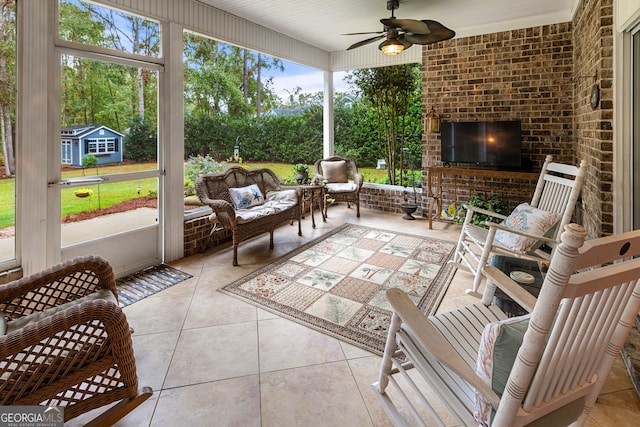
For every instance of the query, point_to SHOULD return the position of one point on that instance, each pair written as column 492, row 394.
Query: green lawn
column 284, row 170
column 7, row 202
column 105, row 195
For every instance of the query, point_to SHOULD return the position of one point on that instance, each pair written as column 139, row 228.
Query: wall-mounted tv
column 496, row 143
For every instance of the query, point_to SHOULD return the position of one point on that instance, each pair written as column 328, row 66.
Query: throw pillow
column 245, row 197
column 499, row 347
column 530, row 220
column 335, row 171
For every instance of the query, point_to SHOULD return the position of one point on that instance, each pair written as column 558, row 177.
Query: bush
column 140, row 143
column 199, row 165
column 89, row 161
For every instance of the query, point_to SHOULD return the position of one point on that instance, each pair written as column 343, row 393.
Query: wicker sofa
column 248, row 202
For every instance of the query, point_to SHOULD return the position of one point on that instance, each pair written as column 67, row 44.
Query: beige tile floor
column 213, row 360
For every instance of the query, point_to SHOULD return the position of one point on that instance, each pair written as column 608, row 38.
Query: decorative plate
column 522, row 277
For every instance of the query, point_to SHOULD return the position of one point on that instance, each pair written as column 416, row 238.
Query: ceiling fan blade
column 364, row 42
column 402, row 39
column 409, row 25
column 365, row 32
column 438, row 33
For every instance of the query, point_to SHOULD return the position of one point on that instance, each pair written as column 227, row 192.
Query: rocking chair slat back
column 587, row 305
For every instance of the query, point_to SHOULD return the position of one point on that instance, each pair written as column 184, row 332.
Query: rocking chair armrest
column 474, row 209
column 509, row 287
column 432, row 341
column 57, row 285
column 521, row 233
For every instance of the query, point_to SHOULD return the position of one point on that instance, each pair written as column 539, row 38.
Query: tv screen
column 482, row 143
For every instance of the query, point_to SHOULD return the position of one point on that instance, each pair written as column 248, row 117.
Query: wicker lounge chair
column 343, row 182
column 67, row 343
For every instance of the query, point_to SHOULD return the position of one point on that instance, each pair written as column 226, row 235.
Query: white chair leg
column 484, row 258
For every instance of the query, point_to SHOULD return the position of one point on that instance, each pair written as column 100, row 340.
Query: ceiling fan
column 401, row 34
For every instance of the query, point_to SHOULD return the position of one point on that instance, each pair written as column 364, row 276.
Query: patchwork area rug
column 142, row 284
column 336, row 284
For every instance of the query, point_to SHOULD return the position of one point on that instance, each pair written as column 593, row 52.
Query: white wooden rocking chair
column 569, row 342
column 523, row 231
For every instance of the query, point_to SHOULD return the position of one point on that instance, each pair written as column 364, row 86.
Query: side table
column 309, row 192
column 508, row 265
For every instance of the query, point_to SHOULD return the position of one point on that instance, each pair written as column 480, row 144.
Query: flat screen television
column 496, row 143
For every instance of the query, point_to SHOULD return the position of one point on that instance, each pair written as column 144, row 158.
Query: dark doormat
column 142, row 284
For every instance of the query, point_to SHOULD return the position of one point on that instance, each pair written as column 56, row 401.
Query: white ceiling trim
column 206, row 20
column 288, row 22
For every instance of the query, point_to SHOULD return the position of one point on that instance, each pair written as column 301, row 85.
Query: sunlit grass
column 106, row 195
column 285, row 170
column 7, row 203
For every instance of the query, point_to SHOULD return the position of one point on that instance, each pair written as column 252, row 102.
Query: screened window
column 90, row 24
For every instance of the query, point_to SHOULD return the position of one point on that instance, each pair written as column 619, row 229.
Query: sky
column 309, row 79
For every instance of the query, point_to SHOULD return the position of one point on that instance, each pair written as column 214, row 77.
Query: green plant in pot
column 302, row 173
column 492, row 203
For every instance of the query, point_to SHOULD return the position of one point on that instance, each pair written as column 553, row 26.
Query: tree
column 140, row 142
column 220, row 78
column 96, row 92
column 390, row 92
column 7, row 82
column 127, row 32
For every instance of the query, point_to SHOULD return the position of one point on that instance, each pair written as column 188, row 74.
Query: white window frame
column 101, row 145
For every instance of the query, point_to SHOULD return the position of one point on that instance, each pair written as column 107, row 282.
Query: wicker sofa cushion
column 277, row 201
column 335, row 171
column 3, row 324
column 245, row 197
column 499, row 346
column 21, row 322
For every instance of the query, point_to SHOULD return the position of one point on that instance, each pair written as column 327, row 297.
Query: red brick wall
column 542, row 76
column 514, row 75
column 593, row 64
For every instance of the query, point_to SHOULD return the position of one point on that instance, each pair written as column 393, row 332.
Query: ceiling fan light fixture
column 391, row 47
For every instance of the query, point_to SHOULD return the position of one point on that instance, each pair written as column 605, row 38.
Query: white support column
column 328, row 143
column 33, row 123
column 171, row 123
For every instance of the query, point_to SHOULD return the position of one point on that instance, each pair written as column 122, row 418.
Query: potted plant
column 302, row 173
column 491, row 203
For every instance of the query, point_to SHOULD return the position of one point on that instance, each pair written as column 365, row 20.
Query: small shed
column 102, row 142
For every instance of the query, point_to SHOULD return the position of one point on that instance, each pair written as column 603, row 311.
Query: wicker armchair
column 343, row 182
column 67, row 342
